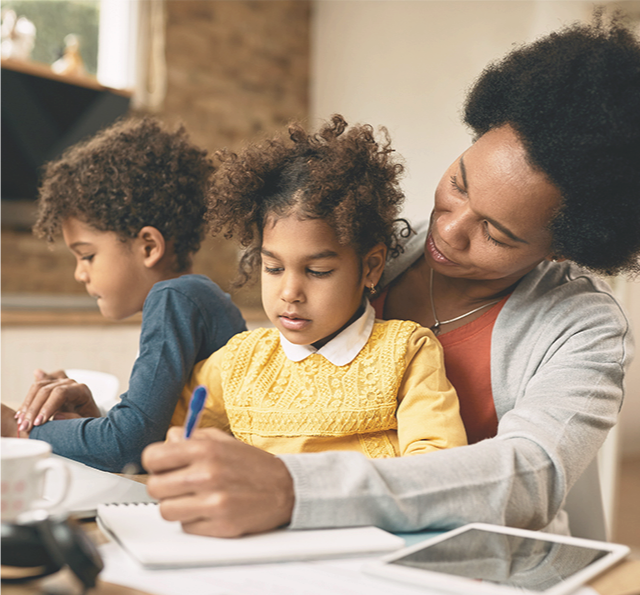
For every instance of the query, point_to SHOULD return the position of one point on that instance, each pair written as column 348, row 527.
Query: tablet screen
column 525, row 562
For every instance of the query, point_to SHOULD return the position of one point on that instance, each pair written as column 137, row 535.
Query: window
column 53, row 22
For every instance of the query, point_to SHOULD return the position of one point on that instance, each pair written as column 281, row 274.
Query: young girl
column 320, row 215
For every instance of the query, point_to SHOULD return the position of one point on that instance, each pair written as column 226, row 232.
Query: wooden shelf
column 43, row 70
column 80, row 317
column 61, row 317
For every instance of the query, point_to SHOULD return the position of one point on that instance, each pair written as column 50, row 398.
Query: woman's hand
column 55, row 395
column 216, row 485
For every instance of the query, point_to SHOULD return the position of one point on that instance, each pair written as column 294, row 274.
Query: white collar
column 343, row 348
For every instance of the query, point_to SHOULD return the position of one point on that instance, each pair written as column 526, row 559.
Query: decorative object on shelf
column 71, row 63
column 18, row 36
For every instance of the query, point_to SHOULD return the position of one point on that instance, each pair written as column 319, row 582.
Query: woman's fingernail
column 38, row 420
column 18, row 414
column 24, row 425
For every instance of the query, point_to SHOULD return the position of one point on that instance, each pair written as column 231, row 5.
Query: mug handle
column 49, row 465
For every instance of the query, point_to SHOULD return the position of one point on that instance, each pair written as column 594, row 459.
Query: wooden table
column 623, row 579
column 64, row 583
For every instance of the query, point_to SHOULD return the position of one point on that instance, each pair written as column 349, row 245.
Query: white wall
column 630, row 415
column 406, row 65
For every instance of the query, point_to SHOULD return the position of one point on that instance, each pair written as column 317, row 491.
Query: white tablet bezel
column 466, row 586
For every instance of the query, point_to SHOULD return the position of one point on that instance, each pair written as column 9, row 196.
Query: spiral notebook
column 157, row 543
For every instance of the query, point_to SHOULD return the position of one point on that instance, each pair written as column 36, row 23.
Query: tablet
column 488, row 559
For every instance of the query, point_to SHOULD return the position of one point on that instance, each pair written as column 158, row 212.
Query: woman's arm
column 555, row 409
column 560, row 347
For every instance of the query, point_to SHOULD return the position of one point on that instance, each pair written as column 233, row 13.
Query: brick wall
column 236, row 69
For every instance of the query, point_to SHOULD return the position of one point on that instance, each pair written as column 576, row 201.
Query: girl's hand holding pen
column 216, row 485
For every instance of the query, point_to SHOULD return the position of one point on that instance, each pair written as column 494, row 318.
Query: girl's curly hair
column 132, row 174
column 346, row 178
column 573, row 97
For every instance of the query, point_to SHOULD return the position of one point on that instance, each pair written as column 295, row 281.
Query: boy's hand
column 55, row 395
column 216, row 485
column 9, row 424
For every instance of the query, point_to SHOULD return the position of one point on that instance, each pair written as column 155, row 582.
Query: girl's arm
column 428, row 412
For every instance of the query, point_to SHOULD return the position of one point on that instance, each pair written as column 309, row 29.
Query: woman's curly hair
column 346, row 178
column 132, row 174
column 573, row 97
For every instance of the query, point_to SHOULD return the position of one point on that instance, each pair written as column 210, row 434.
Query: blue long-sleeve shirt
column 184, row 320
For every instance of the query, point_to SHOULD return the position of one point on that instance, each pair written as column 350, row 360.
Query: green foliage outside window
column 54, row 20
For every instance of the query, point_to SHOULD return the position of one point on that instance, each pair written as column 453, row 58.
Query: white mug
column 24, row 466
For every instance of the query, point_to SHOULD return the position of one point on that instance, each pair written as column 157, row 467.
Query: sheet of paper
column 335, row 577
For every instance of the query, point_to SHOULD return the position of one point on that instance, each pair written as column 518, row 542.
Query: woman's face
column 491, row 214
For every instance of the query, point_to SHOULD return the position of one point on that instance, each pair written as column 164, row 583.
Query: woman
column 535, row 345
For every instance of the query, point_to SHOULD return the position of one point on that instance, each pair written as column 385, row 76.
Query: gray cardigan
column 559, row 350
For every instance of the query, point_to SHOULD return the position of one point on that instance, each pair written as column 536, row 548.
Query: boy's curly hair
column 132, row 174
column 346, row 178
column 573, row 97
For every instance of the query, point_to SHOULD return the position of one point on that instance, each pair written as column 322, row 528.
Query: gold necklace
column 438, row 323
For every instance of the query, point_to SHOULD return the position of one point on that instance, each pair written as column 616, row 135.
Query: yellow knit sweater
column 392, row 399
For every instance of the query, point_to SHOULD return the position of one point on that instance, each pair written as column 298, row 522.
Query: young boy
column 130, row 204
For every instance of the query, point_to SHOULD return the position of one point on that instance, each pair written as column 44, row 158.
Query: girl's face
column 312, row 286
column 491, row 214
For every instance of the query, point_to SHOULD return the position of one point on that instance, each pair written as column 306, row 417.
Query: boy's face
column 112, row 271
column 311, row 285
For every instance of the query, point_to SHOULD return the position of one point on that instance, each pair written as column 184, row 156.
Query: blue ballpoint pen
column 196, row 405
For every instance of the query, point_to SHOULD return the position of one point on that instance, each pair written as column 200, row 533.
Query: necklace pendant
column 435, row 329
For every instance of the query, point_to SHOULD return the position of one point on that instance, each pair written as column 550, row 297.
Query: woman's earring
column 372, row 290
